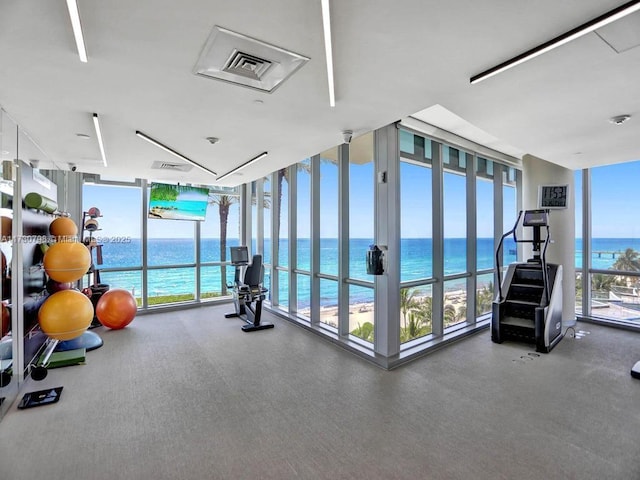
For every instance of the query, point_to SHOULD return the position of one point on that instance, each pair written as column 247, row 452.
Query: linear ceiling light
column 326, row 25
column 77, row 29
column 96, row 124
column 246, row 164
column 590, row 26
column 173, row 152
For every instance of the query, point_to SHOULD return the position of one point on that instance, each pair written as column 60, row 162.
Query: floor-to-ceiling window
column 328, row 212
column 303, row 238
column 219, row 231
column 615, row 243
column 416, row 245
column 118, row 261
column 485, row 245
column 281, row 218
column 454, row 163
column 361, row 236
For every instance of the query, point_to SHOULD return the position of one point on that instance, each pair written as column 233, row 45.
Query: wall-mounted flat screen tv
column 178, row 202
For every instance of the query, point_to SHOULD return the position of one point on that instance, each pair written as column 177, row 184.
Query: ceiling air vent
column 236, row 58
column 247, row 65
column 175, row 167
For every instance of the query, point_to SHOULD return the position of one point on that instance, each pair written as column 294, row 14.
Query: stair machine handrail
column 542, row 252
column 499, row 249
column 545, row 273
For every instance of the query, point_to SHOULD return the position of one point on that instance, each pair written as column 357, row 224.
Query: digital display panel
column 553, row 196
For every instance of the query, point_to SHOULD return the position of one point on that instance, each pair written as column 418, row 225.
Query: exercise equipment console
column 528, row 307
column 248, row 293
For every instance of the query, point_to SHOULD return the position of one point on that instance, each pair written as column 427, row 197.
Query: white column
column 536, row 172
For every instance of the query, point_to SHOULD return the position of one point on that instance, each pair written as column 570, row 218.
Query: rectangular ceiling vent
column 176, row 167
column 236, row 58
column 247, row 65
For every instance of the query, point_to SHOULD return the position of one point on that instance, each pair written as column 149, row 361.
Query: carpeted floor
column 190, row 396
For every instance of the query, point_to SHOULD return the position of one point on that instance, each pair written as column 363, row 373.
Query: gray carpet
column 188, row 395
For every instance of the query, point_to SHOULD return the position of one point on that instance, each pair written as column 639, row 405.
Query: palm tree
column 223, row 202
column 406, row 303
column 628, row 261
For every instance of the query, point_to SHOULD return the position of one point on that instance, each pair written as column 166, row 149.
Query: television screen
column 178, row 202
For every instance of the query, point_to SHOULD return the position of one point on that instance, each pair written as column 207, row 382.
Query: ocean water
column 415, row 262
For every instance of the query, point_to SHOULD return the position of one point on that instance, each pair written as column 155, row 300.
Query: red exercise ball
column 116, row 308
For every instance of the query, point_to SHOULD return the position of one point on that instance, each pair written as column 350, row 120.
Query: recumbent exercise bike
column 248, row 293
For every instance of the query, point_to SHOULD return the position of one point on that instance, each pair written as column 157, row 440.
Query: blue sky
column 615, row 197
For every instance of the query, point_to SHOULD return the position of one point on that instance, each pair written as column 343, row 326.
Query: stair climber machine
column 528, row 307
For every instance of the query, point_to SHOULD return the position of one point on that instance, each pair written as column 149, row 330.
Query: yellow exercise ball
column 63, row 228
column 65, row 315
column 67, row 261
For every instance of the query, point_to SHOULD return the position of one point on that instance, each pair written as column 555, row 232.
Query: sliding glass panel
column 416, row 312
column 361, row 309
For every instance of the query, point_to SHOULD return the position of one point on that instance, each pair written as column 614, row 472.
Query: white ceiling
column 391, row 60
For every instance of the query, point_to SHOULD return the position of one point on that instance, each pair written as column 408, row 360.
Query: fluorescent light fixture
column 72, row 5
column 326, row 25
column 96, row 124
column 246, row 164
column 598, row 22
column 173, row 152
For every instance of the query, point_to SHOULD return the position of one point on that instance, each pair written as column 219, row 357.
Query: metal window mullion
column 293, row 238
column 586, row 241
column 472, row 236
column 315, row 239
column 387, row 233
column 498, row 215
column 145, row 233
column 260, row 217
column 196, row 232
column 437, row 180
column 245, row 216
column 275, row 237
column 17, row 272
column 343, row 239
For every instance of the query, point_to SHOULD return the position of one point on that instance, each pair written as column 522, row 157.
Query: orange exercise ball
column 67, row 261
column 65, row 315
column 116, row 308
column 63, row 228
